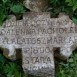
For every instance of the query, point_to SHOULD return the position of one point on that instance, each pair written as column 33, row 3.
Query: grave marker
column 37, row 34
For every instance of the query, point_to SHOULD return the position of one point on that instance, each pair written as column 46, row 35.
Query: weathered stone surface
column 39, row 61
column 36, row 5
column 16, row 34
column 37, row 35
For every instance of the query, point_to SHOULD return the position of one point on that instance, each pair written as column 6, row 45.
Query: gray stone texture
column 37, row 35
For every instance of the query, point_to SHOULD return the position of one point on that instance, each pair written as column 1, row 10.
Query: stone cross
column 37, row 35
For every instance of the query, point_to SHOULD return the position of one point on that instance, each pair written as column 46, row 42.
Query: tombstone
column 37, row 35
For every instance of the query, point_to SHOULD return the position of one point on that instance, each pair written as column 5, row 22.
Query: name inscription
column 37, row 35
